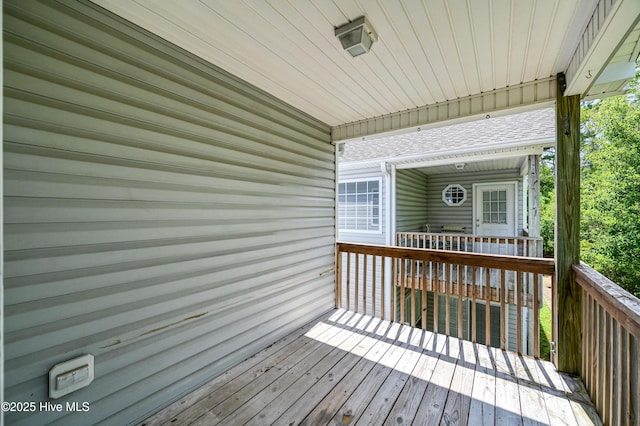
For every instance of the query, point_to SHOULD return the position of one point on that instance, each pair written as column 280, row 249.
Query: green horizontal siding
column 411, row 201
column 441, row 214
column 159, row 213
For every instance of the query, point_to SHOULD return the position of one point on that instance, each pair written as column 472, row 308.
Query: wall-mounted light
column 460, row 166
column 357, row 36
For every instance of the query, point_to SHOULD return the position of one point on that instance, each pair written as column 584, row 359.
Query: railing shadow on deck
column 534, row 377
column 349, row 368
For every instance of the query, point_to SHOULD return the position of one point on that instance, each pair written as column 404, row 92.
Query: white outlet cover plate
column 69, row 376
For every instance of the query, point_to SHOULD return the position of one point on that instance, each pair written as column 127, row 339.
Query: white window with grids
column 494, row 206
column 359, row 205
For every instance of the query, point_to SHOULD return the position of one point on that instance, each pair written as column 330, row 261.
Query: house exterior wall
column 411, row 200
column 440, row 214
column 160, row 214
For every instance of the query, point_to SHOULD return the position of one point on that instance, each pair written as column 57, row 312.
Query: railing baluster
column 447, row 305
column 474, row 290
column 435, row 280
column 554, row 316
column 424, row 295
column 383, row 287
column 594, row 348
column 364, row 284
column 603, row 349
column 394, row 281
column 487, row 310
column 536, row 317
column 348, row 281
column 460, row 336
column 585, row 336
column 356, row 300
column 518, row 296
column 414, row 265
column 623, row 369
column 403, row 276
column 611, row 331
column 374, row 266
column 503, row 311
column 338, row 279
column 634, row 379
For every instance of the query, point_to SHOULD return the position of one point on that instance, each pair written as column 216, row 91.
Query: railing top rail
column 477, row 238
column 621, row 305
column 494, row 261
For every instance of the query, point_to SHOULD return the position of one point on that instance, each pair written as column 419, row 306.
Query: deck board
column 347, row 368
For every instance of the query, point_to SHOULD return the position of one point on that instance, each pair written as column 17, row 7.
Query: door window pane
column 494, row 207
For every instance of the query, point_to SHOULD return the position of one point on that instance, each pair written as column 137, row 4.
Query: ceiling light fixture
column 357, row 36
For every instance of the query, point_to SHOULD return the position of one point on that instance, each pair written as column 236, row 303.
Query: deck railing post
column 567, row 230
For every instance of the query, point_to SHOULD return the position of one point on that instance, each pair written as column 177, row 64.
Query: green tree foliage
column 547, row 202
column 610, row 189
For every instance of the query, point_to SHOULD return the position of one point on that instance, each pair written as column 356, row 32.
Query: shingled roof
column 531, row 126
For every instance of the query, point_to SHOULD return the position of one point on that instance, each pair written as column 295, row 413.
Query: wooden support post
column 567, row 230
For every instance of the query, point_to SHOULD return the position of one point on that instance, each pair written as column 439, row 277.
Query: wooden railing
column 610, row 324
column 514, row 246
column 369, row 279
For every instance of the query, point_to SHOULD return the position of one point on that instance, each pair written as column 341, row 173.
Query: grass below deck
column 545, row 331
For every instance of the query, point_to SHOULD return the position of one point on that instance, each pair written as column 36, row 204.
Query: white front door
column 494, row 209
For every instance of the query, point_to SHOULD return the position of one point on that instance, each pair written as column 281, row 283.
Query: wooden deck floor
column 346, row 368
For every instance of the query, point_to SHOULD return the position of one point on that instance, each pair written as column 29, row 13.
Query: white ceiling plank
column 558, row 23
column 521, row 29
column 461, row 22
column 377, row 65
column 264, row 41
column 412, row 54
column 279, row 14
column 536, row 45
column 195, row 24
column 431, row 59
column 393, row 54
column 481, row 24
column 432, row 55
column 439, row 19
column 501, row 44
column 316, row 12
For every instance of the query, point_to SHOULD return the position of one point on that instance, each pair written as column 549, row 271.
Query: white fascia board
column 489, row 155
column 497, row 151
column 360, row 164
column 528, row 96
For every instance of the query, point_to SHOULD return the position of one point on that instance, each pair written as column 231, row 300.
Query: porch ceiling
column 428, row 53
